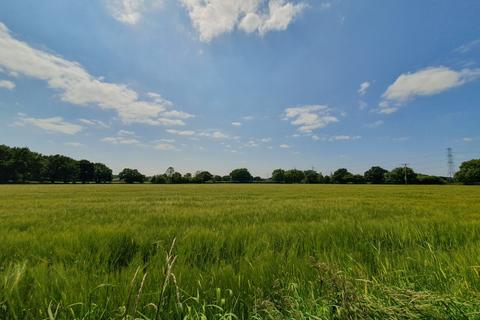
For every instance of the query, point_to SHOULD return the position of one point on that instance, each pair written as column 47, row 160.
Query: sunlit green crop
column 239, row 252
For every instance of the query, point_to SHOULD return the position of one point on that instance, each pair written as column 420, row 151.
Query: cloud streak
column 76, row 86
column 53, row 125
column 215, row 134
column 425, row 82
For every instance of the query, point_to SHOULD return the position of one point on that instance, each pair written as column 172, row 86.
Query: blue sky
column 262, row 84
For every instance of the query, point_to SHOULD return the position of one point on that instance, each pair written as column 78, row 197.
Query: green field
column 240, row 251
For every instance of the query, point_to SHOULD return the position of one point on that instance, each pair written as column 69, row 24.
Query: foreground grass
column 239, row 252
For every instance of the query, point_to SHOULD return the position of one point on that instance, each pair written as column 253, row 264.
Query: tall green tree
column 469, row 172
column 241, row 175
column 159, row 179
column 294, row 176
column 86, row 171
column 61, row 168
column 6, row 164
column 203, row 176
column 356, row 179
column 278, row 176
column 176, row 178
column 102, row 173
column 375, row 175
column 401, row 175
column 25, row 164
column 131, row 176
column 311, row 176
column 342, row 176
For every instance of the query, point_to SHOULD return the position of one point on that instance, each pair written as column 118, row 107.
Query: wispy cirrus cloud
column 336, row 138
column 126, row 137
column 425, row 82
column 53, row 124
column 131, row 11
column 310, row 117
column 94, row 123
column 344, row 138
column 214, row 134
column 469, row 46
column 375, row 124
column 163, row 146
column 122, row 137
column 364, row 88
column 76, row 86
column 74, row 144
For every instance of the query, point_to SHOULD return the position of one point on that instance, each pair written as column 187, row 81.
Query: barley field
column 239, row 252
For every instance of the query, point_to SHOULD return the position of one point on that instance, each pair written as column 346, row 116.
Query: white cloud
column 131, row 11
column 285, row 146
column 425, row 82
column 9, row 85
column 164, row 146
column 386, row 108
column 74, row 144
column 248, row 118
column 122, row 137
column 266, row 139
column 94, row 123
column 125, row 133
column 236, row 124
column 251, row 144
column 335, row 138
column 467, row 139
column 212, row 18
column 164, row 140
column 363, row 88
column 54, row 124
column 125, row 137
column 375, row 124
column 309, row 118
column 120, row 140
column 344, row 138
column 183, row 133
column 209, row 134
column 76, row 86
column 215, row 135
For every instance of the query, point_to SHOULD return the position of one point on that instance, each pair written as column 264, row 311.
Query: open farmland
column 240, row 251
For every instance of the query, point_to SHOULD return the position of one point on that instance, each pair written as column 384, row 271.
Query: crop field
column 239, row 252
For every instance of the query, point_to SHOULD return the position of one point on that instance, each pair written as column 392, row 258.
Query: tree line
column 375, row 175
column 469, row 173
column 20, row 165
